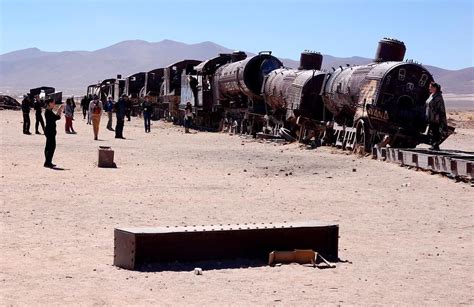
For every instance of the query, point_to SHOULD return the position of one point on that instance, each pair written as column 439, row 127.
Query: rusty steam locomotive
column 383, row 101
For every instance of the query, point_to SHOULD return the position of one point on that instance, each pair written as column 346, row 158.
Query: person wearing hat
column 95, row 110
column 50, row 131
column 120, row 107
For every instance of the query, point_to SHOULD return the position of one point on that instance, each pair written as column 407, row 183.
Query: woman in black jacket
column 436, row 115
column 50, row 131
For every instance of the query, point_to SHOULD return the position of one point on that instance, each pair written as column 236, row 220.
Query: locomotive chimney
column 390, row 49
column 238, row 56
column 310, row 60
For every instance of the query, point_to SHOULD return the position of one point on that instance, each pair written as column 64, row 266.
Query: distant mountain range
column 72, row 71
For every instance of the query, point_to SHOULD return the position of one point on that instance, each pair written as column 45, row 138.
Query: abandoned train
column 383, row 101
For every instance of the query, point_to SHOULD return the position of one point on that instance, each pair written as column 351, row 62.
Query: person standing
column 436, row 115
column 69, row 115
column 95, row 111
column 84, row 106
column 89, row 117
column 109, row 107
column 73, row 104
column 38, row 105
column 120, row 113
column 188, row 116
column 25, row 108
column 128, row 107
column 50, row 131
column 147, row 111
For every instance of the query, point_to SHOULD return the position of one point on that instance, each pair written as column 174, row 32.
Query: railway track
column 454, row 164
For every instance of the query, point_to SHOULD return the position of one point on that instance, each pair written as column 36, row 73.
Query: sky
column 436, row 32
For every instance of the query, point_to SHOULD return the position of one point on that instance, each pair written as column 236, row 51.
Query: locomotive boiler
column 239, row 84
column 292, row 94
column 384, row 98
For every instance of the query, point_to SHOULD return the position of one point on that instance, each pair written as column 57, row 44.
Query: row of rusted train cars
column 380, row 101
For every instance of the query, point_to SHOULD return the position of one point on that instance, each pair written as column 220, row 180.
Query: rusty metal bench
column 135, row 247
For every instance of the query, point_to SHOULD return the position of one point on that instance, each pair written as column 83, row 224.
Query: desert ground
column 406, row 236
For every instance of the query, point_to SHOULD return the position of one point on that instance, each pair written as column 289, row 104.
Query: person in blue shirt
column 109, row 108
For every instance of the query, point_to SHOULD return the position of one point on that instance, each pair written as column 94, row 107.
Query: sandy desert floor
column 407, row 235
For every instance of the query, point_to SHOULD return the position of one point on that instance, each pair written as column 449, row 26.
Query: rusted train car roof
column 211, row 65
column 184, row 63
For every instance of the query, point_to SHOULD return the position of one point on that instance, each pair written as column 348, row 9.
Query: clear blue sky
column 436, row 32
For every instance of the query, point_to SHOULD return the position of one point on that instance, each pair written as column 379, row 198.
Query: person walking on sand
column 128, row 107
column 38, row 105
column 25, row 108
column 120, row 113
column 147, row 111
column 89, row 117
column 84, row 106
column 69, row 115
column 95, row 111
column 188, row 117
column 109, row 107
column 50, row 131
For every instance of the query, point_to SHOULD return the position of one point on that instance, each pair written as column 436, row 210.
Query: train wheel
column 362, row 138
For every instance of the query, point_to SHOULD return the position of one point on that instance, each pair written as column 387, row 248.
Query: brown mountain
column 72, row 71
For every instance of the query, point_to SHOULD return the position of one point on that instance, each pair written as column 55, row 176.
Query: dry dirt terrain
column 406, row 235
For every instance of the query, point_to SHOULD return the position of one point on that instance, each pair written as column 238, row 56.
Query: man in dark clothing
column 128, row 107
column 38, row 105
column 50, row 131
column 147, row 111
column 25, row 108
column 84, row 106
column 120, row 109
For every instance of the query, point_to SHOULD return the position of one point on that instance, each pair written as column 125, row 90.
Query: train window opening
column 401, row 74
column 387, row 82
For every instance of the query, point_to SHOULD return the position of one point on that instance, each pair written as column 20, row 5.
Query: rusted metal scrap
column 9, row 103
column 134, row 247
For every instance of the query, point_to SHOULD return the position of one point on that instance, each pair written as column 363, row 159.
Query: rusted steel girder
column 135, row 247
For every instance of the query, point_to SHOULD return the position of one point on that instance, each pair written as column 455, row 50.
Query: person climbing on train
column 436, row 115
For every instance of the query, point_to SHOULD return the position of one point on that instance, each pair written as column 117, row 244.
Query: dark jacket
column 436, row 112
column 147, row 107
column 51, row 119
column 38, row 105
column 120, row 108
column 26, row 105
